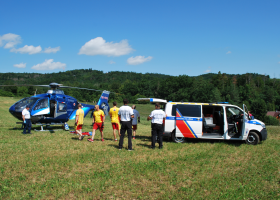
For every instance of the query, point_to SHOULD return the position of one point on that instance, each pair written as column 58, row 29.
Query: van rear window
column 187, row 110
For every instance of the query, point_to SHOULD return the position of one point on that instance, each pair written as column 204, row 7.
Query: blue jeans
column 27, row 126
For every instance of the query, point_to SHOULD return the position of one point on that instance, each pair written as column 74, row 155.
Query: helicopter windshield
column 19, row 106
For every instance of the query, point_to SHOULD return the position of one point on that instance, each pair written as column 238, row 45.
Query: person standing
column 98, row 122
column 134, row 120
column 126, row 114
column 79, row 121
column 26, row 120
column 157, row 117
column 115, row 119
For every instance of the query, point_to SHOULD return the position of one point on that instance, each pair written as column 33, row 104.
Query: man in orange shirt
column 79, row 121
column 115, row 119
column 98, row 122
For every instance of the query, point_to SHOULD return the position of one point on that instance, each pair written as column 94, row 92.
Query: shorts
column 134, row 127
column 79, row 127
column 98, row 126
column 115, row 126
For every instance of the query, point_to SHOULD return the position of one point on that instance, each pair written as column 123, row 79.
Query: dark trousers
column 27, row 126
column 126, row 126
column 157, row 130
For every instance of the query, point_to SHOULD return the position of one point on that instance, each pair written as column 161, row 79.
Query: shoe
column 152, row 147
column 130, row 149
column 29, row 133
column 160, row 147
column 120, row 148
column 23, row 133
column 82, row 137
column 133, row 138
column 90, row 140
column 116, row 140
column 102, row 140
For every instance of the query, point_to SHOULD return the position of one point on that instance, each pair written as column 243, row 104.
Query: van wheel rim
column 179, row 139
column 251, row 139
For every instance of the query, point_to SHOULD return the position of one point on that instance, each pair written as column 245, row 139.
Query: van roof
column 195, row 103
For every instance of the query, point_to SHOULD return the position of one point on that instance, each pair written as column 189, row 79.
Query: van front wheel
column 177, row 139
column 253, row 138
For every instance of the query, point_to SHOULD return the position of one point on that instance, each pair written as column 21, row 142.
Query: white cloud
column 112, row 62
column 28, row 49
column 229, row 52
column 20, row 65
column 52, row 50
column 208, row 70
column 98, row 46
column 10, row 40
column 49, row 65
column 138, row 60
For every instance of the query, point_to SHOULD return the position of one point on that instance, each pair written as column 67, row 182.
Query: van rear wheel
column 253, row 138
column 178, row 139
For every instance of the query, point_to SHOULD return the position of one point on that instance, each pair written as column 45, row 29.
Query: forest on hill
column 259, row 92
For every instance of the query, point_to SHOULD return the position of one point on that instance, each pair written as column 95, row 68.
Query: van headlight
column 263, row 125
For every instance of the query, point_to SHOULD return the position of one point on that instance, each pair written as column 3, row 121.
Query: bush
column 269, row 120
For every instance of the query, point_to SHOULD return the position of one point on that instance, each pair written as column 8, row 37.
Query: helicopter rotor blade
column 59, row 86
column 81, row 88
column 24, row 85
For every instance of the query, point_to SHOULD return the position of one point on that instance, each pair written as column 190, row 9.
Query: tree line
column 259, row 92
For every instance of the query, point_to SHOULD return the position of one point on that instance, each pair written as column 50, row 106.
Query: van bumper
column 264, row 134
column 166, row 134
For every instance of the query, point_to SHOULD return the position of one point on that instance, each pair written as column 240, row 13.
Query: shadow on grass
column 143, row 138
column 144, row 145
column 228, row 142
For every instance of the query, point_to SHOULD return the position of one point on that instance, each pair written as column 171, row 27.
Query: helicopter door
column 41, row 107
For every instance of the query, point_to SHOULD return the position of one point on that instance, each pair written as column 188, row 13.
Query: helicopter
column 54, row 106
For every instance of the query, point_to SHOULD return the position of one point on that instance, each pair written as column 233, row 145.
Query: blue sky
column 167, row 37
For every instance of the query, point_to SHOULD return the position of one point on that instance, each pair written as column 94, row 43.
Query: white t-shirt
column 125, row 112
column 157, row 116
column 136, row 115
column 26, row 113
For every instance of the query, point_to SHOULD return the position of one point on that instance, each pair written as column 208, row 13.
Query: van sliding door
column 188, row 121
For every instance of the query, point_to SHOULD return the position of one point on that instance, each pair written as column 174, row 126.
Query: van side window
column 173, row 113
column 189, row 110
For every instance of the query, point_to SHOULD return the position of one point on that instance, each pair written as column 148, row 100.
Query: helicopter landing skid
column 48, row 126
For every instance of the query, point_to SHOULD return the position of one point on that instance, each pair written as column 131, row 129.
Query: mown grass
column 56, row 165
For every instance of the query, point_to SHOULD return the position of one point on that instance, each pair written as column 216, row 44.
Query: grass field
column 56, row 165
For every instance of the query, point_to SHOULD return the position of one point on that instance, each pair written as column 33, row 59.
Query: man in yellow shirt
column 79, row 121
column 115, row 119
column 98, row 122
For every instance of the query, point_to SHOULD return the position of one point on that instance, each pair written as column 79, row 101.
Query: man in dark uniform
column 157, row 117
column 126, row 114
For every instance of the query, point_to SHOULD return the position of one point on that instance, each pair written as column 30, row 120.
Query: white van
column 220, row 121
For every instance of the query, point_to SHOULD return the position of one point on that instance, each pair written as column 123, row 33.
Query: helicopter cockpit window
column 61, row 107
column 19, row 106
column 43, row 103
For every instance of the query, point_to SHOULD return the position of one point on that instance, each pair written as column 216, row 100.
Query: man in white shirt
column 26, row 120
column 157, row 117
column 126, row 114
column 134, row 120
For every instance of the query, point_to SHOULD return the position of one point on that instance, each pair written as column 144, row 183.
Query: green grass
column 56, row 165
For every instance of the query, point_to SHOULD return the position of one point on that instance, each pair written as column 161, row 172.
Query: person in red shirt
column 98, row 123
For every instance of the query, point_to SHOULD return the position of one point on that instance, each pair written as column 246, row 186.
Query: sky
column 156, row 36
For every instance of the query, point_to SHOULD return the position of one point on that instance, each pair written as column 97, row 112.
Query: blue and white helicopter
column 54, row 107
